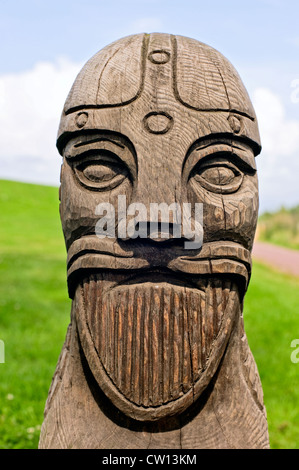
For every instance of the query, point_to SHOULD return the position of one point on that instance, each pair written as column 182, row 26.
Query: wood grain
column 156, row 355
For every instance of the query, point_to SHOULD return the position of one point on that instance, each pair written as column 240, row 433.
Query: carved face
column 166, row 120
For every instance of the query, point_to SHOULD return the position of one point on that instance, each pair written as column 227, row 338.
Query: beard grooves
column 154, row 340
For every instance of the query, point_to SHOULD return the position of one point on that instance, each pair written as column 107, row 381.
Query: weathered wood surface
column 156, row 355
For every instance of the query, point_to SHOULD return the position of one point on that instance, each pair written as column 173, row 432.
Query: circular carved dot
column 158, row 122
column 159, row 56
column 81, row 119
column 235, row 123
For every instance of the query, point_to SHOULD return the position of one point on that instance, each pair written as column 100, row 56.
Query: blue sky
column 44, row 44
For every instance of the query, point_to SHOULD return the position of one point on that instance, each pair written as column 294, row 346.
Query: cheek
column 78, row 205
column 241, row 211
column 229, row 216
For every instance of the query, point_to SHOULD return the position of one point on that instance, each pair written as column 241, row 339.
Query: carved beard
column 153, row 347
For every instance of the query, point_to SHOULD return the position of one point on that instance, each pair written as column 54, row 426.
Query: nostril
column 190, row 232
column 158, row 231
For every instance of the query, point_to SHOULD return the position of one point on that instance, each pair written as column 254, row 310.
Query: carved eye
column 99, row 172
column 101, row 175
column 218, row 177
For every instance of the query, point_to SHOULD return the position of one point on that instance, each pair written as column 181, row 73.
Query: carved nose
column 159, row 231
column 156, row 222
column 167, row 226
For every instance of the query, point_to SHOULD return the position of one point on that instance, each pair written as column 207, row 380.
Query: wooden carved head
column 157, row 121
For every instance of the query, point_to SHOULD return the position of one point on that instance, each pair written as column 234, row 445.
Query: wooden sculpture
column 156, row 355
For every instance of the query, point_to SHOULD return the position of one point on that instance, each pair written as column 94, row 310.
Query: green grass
column 271, row 323
column 35, row 309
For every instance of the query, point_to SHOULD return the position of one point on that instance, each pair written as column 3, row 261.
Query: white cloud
column 30, row 106
column 280, row 134
column 278, row 164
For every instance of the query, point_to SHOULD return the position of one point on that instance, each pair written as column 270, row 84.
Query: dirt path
column 284, row 259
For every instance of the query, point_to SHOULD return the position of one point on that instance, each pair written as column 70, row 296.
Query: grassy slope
column 34, row 313
column 280, row 227
column 271, row 323
column 34, row 307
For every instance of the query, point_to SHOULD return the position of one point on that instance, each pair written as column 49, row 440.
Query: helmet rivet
column 159, row 56
column 158, row 122
column 235, row 123
column 81, row 119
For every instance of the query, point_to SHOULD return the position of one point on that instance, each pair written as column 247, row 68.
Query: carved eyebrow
column 218, row 143
column 76, row 151
column 229, row 147
column 99, row 139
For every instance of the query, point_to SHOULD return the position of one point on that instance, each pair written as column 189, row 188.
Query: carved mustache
column 213, row 259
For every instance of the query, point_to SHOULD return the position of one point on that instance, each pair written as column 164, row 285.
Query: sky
column 45, row 43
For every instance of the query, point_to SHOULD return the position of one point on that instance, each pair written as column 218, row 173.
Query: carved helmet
column 194, row 78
